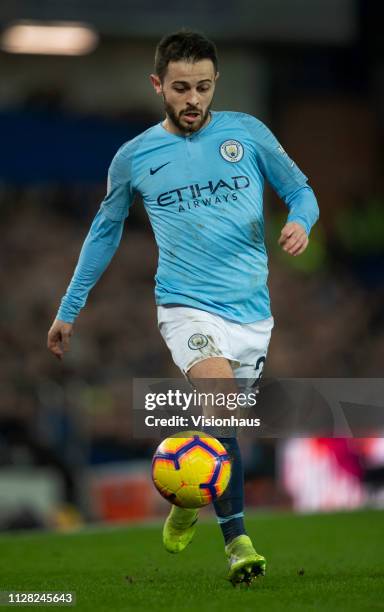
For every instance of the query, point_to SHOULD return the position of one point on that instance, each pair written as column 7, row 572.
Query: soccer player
column 201, row 175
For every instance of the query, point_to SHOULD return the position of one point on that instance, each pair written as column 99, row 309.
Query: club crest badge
column 232, row 150
column 197, row 341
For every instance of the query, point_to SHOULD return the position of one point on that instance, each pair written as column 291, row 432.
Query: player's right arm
column 97, row 251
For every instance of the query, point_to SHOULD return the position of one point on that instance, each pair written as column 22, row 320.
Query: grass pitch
column 315, row 562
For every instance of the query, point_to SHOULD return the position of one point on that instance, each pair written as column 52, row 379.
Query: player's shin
column 230, row 506
column 245, row 564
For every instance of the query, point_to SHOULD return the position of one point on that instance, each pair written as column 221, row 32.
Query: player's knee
column 211, row 367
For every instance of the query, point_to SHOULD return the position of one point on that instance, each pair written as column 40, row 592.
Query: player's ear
column 217, row 76
column 156, row 82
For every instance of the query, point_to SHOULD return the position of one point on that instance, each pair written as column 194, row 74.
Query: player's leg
column 200, row 347
column 250, row 345
column 216, row 375
column 230, row 507
column 179, row 526
column 191, row 335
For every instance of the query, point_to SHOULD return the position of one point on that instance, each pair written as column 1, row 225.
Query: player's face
column 187, row 91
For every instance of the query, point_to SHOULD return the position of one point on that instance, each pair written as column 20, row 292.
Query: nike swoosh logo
column 154, row 170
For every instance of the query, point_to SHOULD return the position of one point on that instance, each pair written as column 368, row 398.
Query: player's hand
column 58, row 337
column 293, row 238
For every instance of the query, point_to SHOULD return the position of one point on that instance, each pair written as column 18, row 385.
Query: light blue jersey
column 204, row 197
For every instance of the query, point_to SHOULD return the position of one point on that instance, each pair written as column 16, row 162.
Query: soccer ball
column 191, row 469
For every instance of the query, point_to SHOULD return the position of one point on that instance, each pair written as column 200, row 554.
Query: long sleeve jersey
column 203, row 194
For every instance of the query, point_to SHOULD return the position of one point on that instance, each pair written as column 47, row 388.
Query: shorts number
column 259, row 369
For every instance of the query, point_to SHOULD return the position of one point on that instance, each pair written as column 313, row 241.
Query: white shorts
column 193, row 335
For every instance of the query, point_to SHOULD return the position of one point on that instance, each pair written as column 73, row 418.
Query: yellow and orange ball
column 191, row 469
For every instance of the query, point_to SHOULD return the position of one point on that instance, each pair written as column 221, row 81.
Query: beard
column 176, row 117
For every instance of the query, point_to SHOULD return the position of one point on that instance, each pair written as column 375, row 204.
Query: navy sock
column 230, row 506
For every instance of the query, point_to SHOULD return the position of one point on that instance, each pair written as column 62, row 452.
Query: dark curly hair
column 184, row 45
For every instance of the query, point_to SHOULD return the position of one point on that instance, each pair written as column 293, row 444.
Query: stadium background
column 314, row 72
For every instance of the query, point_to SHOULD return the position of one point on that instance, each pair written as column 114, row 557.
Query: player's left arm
column 289, row 182
column 303, row 214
